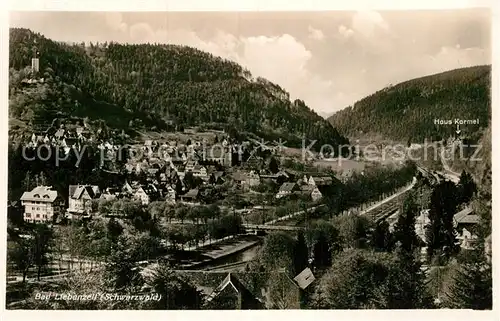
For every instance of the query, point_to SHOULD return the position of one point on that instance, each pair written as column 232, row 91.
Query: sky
column 329, row 59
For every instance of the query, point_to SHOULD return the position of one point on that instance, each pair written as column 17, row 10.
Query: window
column 37, row 208
column 38, row 216
column 45, row 216
column 32, row 208
column 27, row 215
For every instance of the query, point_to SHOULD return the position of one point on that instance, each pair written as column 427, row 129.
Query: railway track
column 385, row 210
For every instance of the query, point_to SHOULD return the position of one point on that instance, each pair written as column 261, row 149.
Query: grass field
column 340, row 165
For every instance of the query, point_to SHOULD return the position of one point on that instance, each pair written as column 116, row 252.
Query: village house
column 180, row 171
column 287, row 293
column 42, row 204
column 129, row 189
column 231, row 294
column 234, row 290
column 170, row 194
column 279, row 178
column 311, row 191
column 246, row 180
column 153, row 170
column 254, row 162
column 150, row 146
column 466, row 222
column 346, row 175
column 252, row 179
column 216, row 177
column 304, row 278
column 190, row 165
column 287, row 189
column 320, row 180
column 110, row 194
column 141, row 167
column 201, row 172
column 316, row 194
column 146, row 194
column 191, row 196
column 80, row 200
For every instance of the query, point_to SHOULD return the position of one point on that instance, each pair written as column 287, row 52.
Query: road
column 448, row 172
column 265, row 227
column 283, row 218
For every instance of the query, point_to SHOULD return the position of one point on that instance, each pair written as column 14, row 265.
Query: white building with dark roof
column 146, row 194
column 41, row 205
column 466, row 222
column 80, row 200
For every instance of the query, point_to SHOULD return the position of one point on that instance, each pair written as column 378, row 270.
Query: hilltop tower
column 35, row 62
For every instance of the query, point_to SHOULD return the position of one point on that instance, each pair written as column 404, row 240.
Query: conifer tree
column 382, row 238
column 408, row 292
column 273, row 165
column 466, row 187
column 404, row 230
column 301, row 253
column 472, row 285
column 440, row 232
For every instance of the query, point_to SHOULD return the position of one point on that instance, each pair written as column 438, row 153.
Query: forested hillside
column 153, row 86
column 406, row 112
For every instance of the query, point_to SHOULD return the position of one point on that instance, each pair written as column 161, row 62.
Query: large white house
column 41, row 205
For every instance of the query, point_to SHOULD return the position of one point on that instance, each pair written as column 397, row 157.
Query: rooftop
column 40, row 194
column 76, row 191
column 248, row 300
column 193, row 193
column 287, row 187
column 466, row 216
column 305, row 278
